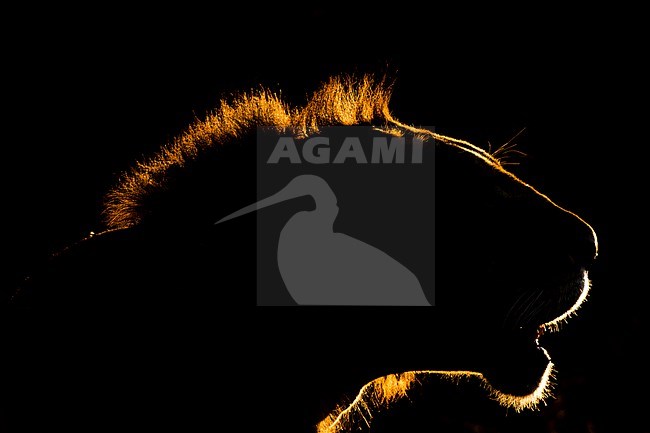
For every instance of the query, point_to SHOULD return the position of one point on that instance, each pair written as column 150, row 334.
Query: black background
column 88, row 92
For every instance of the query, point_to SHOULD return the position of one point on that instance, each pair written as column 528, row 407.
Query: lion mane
column 342, row 101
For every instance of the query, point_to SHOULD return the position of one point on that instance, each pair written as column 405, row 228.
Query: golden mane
column 341, row 101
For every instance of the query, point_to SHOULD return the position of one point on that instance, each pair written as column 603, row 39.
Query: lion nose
column 564, row 240
column 580, row 240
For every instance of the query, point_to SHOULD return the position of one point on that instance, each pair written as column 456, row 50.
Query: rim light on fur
column 340, row 101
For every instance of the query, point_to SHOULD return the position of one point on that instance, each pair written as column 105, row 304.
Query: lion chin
column 380, row 393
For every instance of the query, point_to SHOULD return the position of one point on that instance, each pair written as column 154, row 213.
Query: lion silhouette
column 166, row 332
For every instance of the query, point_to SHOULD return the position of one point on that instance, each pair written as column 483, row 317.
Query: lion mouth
column 544, row 310
column 556, row 323
column 521, row 358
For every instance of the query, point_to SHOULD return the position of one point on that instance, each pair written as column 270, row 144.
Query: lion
column 171, row 334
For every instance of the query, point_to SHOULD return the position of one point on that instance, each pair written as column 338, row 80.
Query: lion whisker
column 531, row 304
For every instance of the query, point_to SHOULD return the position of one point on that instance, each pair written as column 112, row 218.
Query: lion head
column 510, row 264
